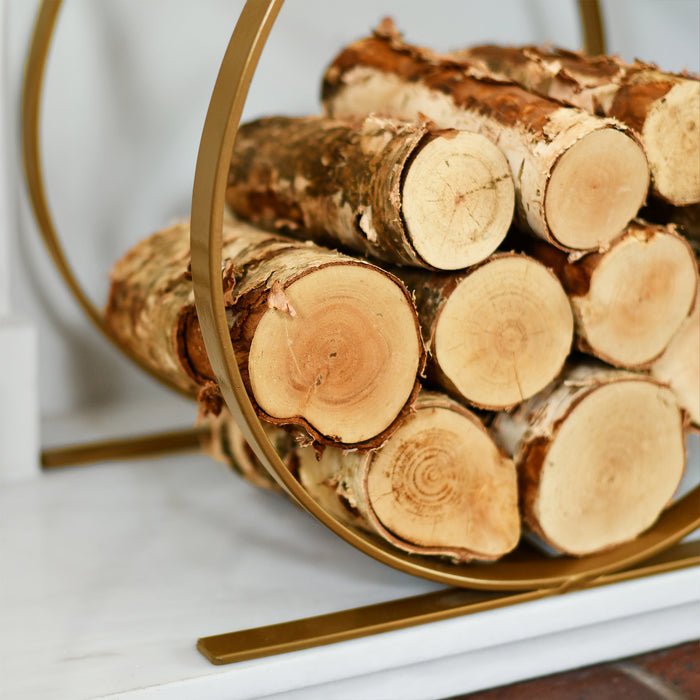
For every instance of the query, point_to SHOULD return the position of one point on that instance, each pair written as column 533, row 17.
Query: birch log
column 322, row 340
column 497, row 333
column 679, row 365
column 553, row 150
column 630, row 299
column 599, row 454
column 438, row 486
column 401, row 192
column 662, row 108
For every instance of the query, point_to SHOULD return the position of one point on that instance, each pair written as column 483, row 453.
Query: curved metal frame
column 518, row 572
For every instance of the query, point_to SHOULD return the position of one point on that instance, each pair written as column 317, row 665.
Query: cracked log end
column 612, row 466
column 346, row 362
column 505, row 332
column 596, row 187
column 458, row 200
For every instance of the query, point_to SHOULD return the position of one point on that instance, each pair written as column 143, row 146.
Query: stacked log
column 224, row 442
column 630, row 299
column 497, row 333
column 552, row 149
column 323, row 341
column 403, row 193
column 679, row 365
column 426, row 377
column 662, row 108
column 600, row 454
column 439, row 486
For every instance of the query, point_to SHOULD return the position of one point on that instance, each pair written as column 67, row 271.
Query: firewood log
column 225, row 443
column 579, row 179
column 630, row 299
column 662, row 108
column 323, row 340
column 401, row 192
column 679, row 365
column 438, row 486
column 599, row 456
column 496, row 333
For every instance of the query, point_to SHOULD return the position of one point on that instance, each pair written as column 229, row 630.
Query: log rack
column 525, row 575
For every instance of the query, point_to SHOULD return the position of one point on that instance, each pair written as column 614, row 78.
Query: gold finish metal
column 407, row 612
column 523, row 570
column 218, row 135
column 35, row 68
column 187, row 441
column 592, row 27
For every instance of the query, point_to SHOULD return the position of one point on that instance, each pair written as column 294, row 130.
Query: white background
column 128, row 85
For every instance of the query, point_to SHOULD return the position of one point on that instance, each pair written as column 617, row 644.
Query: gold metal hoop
column 592, row 29
column 211, row 174
column 523, row 570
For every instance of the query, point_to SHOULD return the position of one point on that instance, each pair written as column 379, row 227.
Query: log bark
column 599, row 454
column 224, row 443
column 497, row 333
column 404, row 193
column 679, row 365
column 685, row 219
column 323, row 340
column 662, row 108
column 630, row 299
column 553, row 150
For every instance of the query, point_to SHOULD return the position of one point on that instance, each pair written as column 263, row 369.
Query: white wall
column 127, row 90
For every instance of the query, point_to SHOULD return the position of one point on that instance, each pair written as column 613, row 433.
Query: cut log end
column 346, row 361
column 440, row 482
column 596, row 187
column 638, row 297
column 458, row 200
column 679, row 365
column 613, row 465
column 671, row 136
column 505, row 332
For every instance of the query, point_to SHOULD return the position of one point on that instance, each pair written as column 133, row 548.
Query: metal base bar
column 140, row 447
column 407, row 612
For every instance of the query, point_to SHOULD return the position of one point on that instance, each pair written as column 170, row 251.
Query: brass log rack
column 522, row 576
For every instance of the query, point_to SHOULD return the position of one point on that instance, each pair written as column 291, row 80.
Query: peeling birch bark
column 599, row 454
column 662, row 108
column 553, row 150
column 404, row 193
column 323, row 340
column 630, row 299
